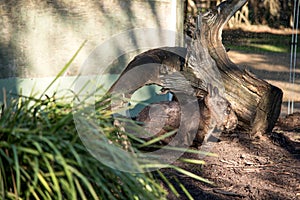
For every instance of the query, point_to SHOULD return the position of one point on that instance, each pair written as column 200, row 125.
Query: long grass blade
column 192, row 175
column 185, row 191
column 72, row 193
column 3, row 155
column 35, row 167
column 63, row 70
column 60, row 159
column 2, row 180
column 169, row 184
column 43, row 193
column 75, row 154
column 192, row 161
column 33, row 192
column 54, row 179
column 44, row 183
column 80, row 190
column 159, row 138
column 17, row 169
column 85, row 181
column 188, row 150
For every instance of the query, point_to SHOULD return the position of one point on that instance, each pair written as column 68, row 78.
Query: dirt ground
column 265, row 167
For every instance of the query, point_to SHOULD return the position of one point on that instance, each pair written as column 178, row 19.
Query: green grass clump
column 42, row 157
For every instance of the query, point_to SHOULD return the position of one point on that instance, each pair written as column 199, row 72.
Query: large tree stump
column 256, row 102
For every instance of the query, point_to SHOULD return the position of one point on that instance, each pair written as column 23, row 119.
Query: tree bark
column 256, row 102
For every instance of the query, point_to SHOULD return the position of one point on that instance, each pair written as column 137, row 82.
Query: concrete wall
column 38, row 37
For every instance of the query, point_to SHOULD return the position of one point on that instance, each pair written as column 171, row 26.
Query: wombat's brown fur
column 215, row 112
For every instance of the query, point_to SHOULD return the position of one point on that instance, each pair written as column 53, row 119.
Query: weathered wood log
column 256, row 102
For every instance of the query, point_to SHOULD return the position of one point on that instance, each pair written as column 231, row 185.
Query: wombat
column 215, row 112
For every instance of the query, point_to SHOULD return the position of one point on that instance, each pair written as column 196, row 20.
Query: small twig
column 256, row 166
column 228, row 193
column 251, row 170
column 229, row 162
